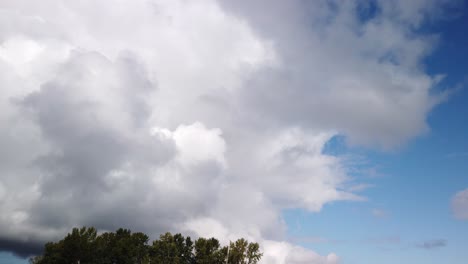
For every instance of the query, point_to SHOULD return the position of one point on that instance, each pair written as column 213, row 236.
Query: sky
column 329, row 131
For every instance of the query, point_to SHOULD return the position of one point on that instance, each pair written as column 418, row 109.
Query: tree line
column 85, row 246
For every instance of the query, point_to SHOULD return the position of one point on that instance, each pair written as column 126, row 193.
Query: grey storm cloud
column 161, row 115
column 21, row 248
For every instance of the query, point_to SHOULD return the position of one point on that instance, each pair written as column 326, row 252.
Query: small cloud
column 460, row 205
column 379, row 213
column 432, row 244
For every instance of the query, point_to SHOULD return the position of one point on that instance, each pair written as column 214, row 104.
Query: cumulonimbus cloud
column 208, row 117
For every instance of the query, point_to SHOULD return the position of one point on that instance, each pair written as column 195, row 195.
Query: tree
column 243, row 252
column 52, row 254
column 79, row 245
column 122, row 247
column 84, row 246
column 104, row 244
column 140, row 247
column 209, row 251
column 172, row 249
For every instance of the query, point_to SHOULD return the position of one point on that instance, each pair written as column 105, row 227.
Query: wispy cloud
column 432, row 244
column 379, row 213
column 460, row 205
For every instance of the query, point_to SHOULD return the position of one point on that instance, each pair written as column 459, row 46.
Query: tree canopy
column 85, row 246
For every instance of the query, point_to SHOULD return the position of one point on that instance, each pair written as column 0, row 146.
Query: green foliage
column 172, row 249
column 79, row 245
column 84, row 246
column 243, row 252
column 209, row 251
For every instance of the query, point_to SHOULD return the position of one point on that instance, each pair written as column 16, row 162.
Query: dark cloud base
column 22, row 249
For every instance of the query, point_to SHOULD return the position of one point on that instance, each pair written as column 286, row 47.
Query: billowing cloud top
column 206, row 117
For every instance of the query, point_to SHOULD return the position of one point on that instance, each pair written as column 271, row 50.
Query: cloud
column 460, row 205
column 432, row 244
column 20, row 248
column 204, row 116
column 379, row 213
column 290, row 254
column 334, row 88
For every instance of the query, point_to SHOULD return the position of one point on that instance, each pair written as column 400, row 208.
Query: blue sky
column 324, row 118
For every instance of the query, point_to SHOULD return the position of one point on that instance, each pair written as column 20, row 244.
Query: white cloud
column 275, row 252
column 291, row 254
column 336, row 68
column 196, row 143
column 206, row 116
column 460, row 205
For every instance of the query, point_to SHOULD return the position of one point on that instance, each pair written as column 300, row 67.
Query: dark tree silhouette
column 85, row 246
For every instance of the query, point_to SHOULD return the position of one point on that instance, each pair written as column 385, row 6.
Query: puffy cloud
column 335, row 67
column 196, row 144
column 460, row 205
column 274, row 251
column 291, row 254
column 204, row 116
